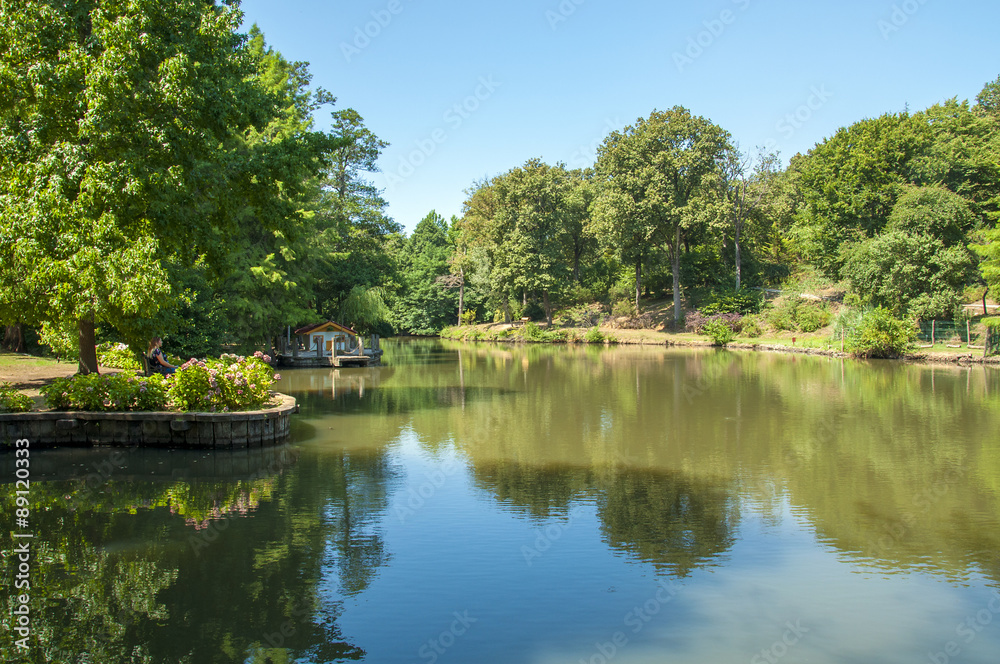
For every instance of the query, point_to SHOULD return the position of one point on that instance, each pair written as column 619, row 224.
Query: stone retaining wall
column 162, row 429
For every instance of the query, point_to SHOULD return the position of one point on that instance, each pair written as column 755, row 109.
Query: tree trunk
column 506, row 309
column 638, row 283
column 461, row 294
column 985, row 310
column 736, row 244
column 88, row 347
column 14, row 338
column 676, row 270
column 548, row 306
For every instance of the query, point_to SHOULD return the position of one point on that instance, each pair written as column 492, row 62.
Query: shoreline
column 659, row 338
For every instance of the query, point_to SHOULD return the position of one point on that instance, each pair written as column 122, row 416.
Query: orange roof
column 325, row 327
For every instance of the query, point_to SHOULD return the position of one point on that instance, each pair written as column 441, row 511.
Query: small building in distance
column 328, row 344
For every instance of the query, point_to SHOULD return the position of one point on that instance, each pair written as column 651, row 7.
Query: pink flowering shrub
column 113, row 392
column 231, row 383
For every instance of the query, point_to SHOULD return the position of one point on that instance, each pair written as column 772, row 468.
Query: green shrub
column 623, row 308
column 594, row 336
column 228, row 384
column 117, row 356
column 583, row 315
column 231, row 383
column 810, row 317
column 114, row 392
column 753, row 326
column 797, row 314
column 532, row 332
column 741, row 301
column 880, row 334
column 720, row 333
column 12, row 401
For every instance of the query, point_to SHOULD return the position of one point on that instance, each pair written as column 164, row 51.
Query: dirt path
column 29, row 374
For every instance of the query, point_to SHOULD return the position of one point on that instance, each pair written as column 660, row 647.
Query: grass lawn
column 19, row 360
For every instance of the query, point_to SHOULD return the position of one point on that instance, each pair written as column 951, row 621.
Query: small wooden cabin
column 333, row 338
column 328, row 344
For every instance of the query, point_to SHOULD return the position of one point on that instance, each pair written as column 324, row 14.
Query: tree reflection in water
column 212, row 570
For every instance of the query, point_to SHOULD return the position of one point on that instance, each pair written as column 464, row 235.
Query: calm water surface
column 543, row 505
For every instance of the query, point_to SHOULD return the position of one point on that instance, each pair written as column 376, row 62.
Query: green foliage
column 623, row 308
column 989, row 253
column 720, row 333
column 117, row 356
column 12, row 401
column 584, row 315
column 364, row 309
column 652, row 175
column 110, row 392
column 61, row 338
column 427, row 302
column 909, row 274
column 229, row 384
column 533, row 333
column 798, row 314
column 879, row 334
column 753, row 326
column 743, row 301
column 594, row 336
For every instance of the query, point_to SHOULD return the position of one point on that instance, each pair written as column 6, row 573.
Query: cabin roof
column 328, row 326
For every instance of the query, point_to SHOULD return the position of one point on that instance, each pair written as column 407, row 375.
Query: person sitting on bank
column 157, row 361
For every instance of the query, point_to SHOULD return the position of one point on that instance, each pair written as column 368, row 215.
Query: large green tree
column 532, row 219
column 122, row 144
column 652, row 175
column 426, row 304
column 919, row 264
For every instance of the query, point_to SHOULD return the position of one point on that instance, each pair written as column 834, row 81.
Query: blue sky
column 466, row 90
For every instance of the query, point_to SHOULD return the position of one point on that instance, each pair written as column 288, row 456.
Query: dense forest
column 163, row 175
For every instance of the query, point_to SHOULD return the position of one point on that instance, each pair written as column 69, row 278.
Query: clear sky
column 466, row 90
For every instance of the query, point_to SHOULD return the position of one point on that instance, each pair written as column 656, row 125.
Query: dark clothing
column 154, row 363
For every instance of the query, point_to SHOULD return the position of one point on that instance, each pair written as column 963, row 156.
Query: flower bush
column 12, row 401
column 231, row 383
column 114, row 392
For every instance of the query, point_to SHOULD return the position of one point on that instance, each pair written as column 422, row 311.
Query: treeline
column 161, row 174
column 901, row 211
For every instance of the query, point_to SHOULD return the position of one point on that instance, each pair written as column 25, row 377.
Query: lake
column 542, row 504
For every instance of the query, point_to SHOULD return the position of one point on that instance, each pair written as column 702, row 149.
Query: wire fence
column 955, row 334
